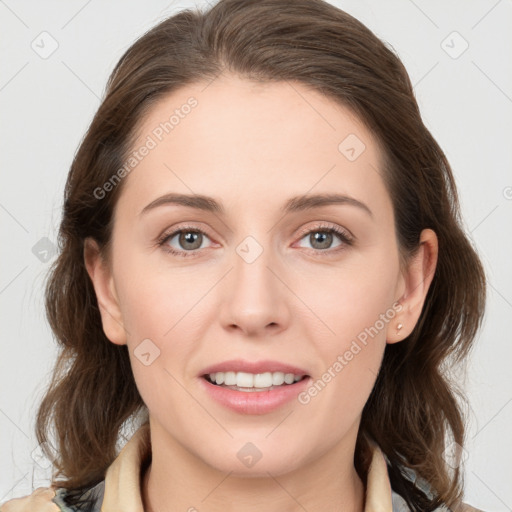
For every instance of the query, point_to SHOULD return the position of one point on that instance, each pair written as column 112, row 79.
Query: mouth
column 248, row 393
column 253, row 387
column 253, row 382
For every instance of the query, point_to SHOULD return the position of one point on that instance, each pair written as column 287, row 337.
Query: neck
column 178, row 480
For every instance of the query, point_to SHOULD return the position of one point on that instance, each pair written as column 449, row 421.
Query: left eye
column 322, row 238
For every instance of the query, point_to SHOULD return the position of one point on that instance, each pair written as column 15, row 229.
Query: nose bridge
column 251, row 268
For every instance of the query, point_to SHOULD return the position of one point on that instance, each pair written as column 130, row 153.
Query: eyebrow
column 294, row 204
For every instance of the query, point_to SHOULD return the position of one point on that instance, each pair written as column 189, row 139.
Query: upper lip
column 240, row 365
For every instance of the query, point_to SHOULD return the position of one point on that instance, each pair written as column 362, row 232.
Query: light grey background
column 47, row 103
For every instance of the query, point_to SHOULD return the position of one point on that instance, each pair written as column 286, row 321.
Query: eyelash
column 323, row 228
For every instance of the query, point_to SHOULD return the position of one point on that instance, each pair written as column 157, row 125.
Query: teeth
column 229, row 378
column 277, row 378
column 251, row 380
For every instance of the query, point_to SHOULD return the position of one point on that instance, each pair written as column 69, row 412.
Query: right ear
column 106, row 294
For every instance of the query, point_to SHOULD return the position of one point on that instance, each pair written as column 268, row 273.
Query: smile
column 250, row 382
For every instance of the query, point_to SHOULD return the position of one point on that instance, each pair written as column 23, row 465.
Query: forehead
column 245, row 141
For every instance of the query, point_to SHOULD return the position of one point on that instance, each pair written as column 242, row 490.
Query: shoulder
column 400, row 505
column 49, row 499
column 39, row 501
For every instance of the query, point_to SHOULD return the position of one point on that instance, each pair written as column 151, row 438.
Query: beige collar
column 122, row 480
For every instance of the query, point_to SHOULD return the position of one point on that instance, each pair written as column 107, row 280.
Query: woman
column 263, row 270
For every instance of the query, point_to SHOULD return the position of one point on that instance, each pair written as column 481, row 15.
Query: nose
column 256, row 298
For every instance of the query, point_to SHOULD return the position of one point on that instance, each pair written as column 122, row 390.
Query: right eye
column 189, row 240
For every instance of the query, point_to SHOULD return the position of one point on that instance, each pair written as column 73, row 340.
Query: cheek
column 157, row 299
column 356, row 308
column 347, row 301
column 165, row 312
column 160, row 342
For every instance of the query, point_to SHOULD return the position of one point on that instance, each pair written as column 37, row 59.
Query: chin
column 253, row 459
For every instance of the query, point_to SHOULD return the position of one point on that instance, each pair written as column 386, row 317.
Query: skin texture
column 252, row 147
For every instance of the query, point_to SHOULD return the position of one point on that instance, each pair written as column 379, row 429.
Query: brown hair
column 412, row 412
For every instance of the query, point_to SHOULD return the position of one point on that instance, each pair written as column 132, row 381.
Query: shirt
column 120, row 490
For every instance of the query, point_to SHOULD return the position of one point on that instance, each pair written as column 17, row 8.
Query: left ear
column 416, row 280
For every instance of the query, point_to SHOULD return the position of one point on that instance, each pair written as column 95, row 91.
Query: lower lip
column 255, row 402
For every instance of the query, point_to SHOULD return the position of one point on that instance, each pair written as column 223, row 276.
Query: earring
column 398, row 327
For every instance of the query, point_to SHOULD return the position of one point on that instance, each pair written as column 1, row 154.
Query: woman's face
column 260, row 278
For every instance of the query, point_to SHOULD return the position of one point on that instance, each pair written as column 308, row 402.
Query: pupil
column 323, row 238
column 189, row 237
